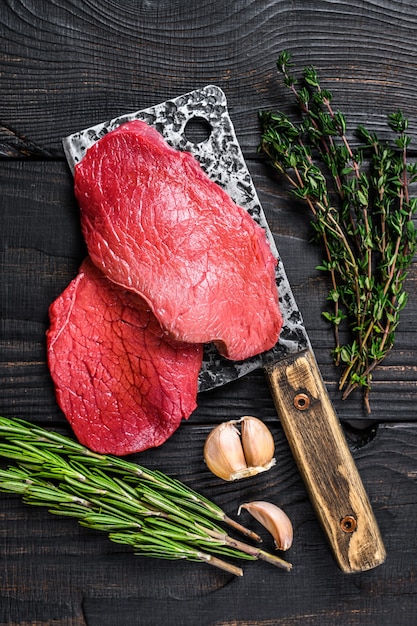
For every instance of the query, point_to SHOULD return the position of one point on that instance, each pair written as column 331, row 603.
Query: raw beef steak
column 123, row 385
column 157, row 225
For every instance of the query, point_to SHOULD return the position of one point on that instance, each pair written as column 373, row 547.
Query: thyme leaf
column 362, row 213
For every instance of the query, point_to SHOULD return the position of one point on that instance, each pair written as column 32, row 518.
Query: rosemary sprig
column 157, row 515
column 361, row 212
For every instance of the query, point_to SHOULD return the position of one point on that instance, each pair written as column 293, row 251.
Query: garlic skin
column 258, row 442
column 274, row 519
column 223, row 452
column 232, row 454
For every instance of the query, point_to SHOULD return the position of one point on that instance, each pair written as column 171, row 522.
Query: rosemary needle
column 156, row 515
column 362, row 213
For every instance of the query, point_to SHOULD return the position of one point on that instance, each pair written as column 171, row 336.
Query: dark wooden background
column 68, row 64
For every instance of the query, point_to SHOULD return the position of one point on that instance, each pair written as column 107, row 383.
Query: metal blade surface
column 221, row 157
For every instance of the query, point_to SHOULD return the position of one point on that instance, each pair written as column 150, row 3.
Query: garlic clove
column 258, row 443
column 232, row 453
column 223, row 452
column 274, row 519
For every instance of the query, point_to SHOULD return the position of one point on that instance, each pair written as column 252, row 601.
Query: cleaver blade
column 308, row 418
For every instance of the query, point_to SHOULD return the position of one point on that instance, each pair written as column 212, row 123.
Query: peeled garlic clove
column 258, row 443
column 274, row 519
column 223, row 452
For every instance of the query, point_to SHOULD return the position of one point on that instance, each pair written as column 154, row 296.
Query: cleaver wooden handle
column 319, row 446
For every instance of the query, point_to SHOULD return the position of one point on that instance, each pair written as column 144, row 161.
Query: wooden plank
column 42, row 247
column 54, row 571
column 68, row 65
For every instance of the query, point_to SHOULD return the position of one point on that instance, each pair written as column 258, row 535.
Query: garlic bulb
column 232, row 454
column 274, row 519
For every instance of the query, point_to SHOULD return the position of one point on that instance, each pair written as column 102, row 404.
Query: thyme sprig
column 362, row 213
column 158, row 516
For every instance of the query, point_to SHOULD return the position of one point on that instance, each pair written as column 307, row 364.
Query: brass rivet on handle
column 301, row 401
column 348, row 524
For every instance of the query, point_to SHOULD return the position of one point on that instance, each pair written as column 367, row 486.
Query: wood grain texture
column 322, row 455
column 52, row 569
column 40, row 252
column 68, row 64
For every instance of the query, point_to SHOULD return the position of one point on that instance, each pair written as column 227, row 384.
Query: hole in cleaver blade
column 220, row 155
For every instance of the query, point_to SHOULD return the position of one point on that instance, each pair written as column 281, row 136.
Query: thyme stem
column 362, row 213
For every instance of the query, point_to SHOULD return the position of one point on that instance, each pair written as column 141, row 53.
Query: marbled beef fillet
column 123, row 385
column 157, row 225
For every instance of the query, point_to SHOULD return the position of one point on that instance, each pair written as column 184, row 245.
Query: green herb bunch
column 362, row 212
column 156, row 515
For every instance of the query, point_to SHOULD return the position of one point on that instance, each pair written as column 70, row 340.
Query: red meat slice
column 157, row 225
column 122, row 384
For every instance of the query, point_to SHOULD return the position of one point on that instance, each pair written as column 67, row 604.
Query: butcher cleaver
column 309, row 421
